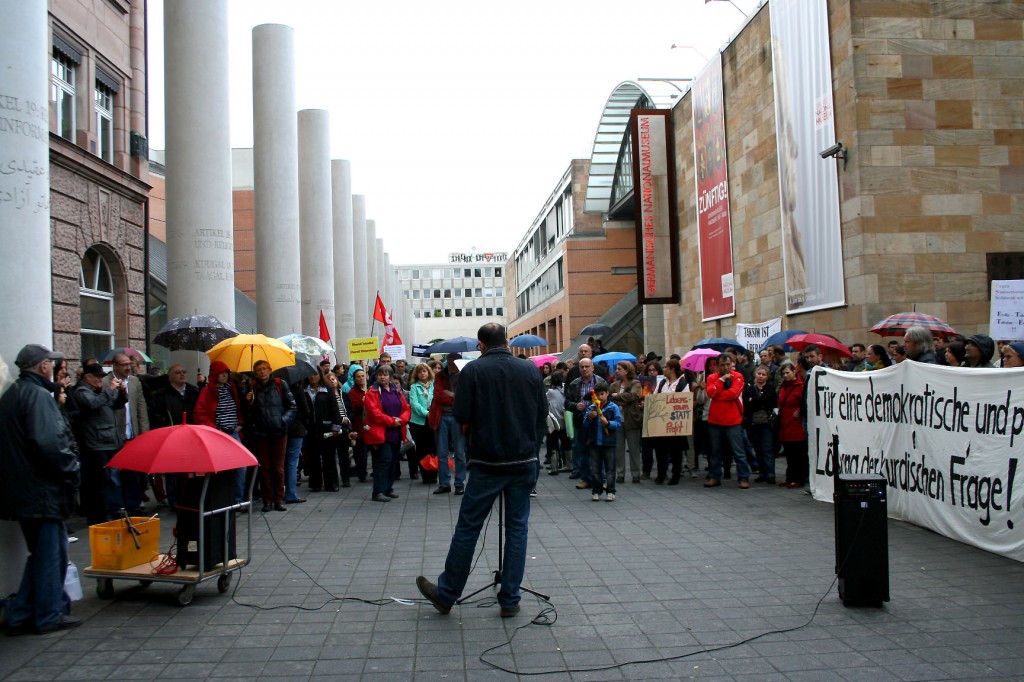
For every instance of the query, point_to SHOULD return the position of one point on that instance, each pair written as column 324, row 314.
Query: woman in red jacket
column 385, row 414
column 725, row 422
column 792, row 435
column 219, row 406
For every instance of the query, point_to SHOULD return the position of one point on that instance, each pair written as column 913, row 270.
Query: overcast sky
column 460, row 117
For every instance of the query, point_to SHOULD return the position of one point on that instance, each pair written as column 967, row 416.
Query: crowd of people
column 322, row 430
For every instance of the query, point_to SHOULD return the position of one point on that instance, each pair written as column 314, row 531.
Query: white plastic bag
column 72, row 583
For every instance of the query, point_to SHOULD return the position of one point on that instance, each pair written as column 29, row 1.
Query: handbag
column 570, row 426
column 408, row 444
column 429, row 462
column 773, row 421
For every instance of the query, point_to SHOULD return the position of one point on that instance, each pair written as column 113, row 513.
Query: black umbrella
column 595, row 329
column 460, row 344
column 194, row 332
column 297, row 372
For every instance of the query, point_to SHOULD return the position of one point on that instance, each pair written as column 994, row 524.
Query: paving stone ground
column 675, row 575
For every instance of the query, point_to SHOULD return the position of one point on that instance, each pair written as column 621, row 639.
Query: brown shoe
column 582, row 486
column 744, row 484
column 712, row 483
column 429, row 590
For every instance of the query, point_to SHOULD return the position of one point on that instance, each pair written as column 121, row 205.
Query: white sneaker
column 596, row 497
column 611, row 497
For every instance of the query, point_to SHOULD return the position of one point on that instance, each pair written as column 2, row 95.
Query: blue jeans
column 383, row 473
column 727, row 437
column 291, row 468
column 481, row 492
column 41, row 600
column 603, row 457
column 581, row 456
column 450, row 439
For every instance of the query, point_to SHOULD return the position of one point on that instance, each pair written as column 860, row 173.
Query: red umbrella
column 801, row 341
column 896, row 325
column 186, row 448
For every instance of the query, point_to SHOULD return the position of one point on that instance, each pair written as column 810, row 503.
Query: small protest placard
column 668, row 414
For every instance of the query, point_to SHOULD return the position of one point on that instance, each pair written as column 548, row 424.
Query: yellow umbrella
column 241, row 352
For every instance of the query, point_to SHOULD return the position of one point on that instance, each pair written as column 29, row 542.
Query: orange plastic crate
column 112, row 546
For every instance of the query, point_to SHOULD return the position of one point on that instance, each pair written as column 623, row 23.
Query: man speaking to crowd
column 502, row 403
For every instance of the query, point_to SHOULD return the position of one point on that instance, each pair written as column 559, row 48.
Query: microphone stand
column 501, row 544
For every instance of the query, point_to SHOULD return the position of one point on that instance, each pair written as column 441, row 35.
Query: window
column 467, row 272
column 447, row 293
column 415, row 274
column 469, row 312
column 447, row 312
column 438, row 273
column 468, row 293
column 426, row 293
column 437, row 293
column 497, row 272
column 479, row 292
column 488, row 292
column 490, row 311
column 96, row 292
column 499, row 311
column 406, row 292
column 62, row 94
column 488, row 272
column 104, row 122
column 458, row 312
column 415, row 294
column 477, row 273
column 479, row 312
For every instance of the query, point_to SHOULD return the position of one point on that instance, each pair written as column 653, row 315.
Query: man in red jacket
column 725, row 419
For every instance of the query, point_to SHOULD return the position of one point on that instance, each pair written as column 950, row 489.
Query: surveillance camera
column 832, row 151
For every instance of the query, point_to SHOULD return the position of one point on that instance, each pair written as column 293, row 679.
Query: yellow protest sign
column 668, row 414
column 363, row 349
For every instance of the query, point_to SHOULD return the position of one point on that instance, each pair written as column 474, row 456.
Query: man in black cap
column 98, row 441
column 38, row 477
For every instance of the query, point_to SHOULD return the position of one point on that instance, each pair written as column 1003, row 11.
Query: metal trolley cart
column 128, row 548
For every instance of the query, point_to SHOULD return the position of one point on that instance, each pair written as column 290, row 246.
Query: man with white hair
column 918, row 343
column 39, row 474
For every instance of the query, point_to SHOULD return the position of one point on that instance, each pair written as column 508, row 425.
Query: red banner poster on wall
column 714, row 228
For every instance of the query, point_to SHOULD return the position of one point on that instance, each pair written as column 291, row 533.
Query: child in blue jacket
column 601, row 420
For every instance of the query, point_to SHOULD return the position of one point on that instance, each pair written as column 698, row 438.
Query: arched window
column 96, row 291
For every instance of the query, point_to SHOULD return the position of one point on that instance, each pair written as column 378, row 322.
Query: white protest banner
column 946, row 439
column 753, row 335
column 396, row 351
column 668, row 414
column 1006, row 317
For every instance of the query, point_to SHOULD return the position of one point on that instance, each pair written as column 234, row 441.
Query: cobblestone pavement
column 675, row 575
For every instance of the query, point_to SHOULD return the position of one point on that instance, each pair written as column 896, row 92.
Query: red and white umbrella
column 896, row 325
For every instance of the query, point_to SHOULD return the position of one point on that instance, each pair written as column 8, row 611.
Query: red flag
column 379, row 311
column 391, row 337
column 324, row 334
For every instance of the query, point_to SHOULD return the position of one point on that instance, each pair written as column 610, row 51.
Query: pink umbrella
column 541, row 359
column 696, row 360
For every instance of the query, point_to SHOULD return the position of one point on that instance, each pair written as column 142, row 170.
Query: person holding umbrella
column 219, row 406
column 271, row 409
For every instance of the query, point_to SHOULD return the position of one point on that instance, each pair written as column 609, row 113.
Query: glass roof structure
column 612, row 131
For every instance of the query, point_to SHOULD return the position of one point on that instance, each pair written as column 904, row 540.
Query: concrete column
column 315, row 221
column 389, row 291
column 276, row 180
column 200, row 251
column 359, row 266
column 382, row 273
column 26, row 305
column 372, row 284
column 344, row 272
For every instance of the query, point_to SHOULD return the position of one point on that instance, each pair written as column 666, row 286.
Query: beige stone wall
column 929, row 98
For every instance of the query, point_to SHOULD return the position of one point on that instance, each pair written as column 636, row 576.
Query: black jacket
column 96, row 425
column 167, row 407
column 501, row 399
column 272, row 410
column 39, row 472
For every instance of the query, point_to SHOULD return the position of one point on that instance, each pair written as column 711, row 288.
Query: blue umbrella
column 528, row 341
column 720, row 344
column 780, row 338
column 613, row 358
column 460, row 344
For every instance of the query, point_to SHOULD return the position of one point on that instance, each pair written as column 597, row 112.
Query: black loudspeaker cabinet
column 862, row 539
column 220, row 493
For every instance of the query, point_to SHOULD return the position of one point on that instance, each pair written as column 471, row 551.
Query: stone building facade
column 929, row 99
column 98, row 175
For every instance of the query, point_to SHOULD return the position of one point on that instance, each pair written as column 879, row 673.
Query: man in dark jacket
column 272, row 409
column 170, row 404
column 38, row 477
column 501, row 401
column 99, row 439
